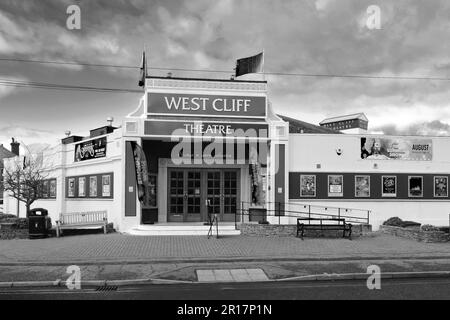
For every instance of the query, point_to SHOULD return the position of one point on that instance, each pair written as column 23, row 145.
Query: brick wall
column 416, row 234
column 289, row 230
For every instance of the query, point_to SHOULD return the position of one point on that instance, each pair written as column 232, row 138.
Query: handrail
column 280, row 211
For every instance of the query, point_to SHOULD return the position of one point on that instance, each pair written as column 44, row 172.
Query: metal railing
column 281, row 211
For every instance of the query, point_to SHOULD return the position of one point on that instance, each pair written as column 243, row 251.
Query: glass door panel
column 193, row 196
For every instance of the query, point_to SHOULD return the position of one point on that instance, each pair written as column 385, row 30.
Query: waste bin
column 39, row 223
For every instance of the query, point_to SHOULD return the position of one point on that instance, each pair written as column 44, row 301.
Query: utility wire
column 231, row 71
column 44, row 85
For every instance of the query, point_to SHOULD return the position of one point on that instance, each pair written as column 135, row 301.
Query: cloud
column 432, row 128
column 28, row 136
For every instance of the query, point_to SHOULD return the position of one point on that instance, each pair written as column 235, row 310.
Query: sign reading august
column 188, row 104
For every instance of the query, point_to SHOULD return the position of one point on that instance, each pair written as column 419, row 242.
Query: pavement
column 178, row 258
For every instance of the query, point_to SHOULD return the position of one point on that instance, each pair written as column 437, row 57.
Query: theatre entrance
column 190, row 190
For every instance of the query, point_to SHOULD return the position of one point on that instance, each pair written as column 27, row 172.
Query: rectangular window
column 388, row 186
column 45, row 189
column 71, row 188
column 307, row 185
column 82, row 187
column 106, row 185
column 415, row 186
column 335, row 185
column 52, row 192
column 440, row 186
column 362, row 186
column 93, row 186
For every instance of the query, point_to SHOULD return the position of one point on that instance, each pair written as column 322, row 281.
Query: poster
column 106, row 186
column 82, row 187
column 307, row 185
column 396, row 149
column 71, row 189
column 415, row 186
column 93, row 186
column 441, row 186
column 389, row 186
column 362, row 186
column 335, row 185
column 45, row 189
column 52, row 188
column 91, row 149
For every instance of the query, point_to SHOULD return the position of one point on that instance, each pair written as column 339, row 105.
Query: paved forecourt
column 125, row 248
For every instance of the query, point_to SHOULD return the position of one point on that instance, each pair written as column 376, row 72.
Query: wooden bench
column 76, row 220
column 336, row 224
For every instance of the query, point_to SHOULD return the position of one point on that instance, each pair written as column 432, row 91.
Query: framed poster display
column 415, row 186
column 440, row 186
column 307, row 185
column 388, row 186
column 335, row 185
column 362, row 186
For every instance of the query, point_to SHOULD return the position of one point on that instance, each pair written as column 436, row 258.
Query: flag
column 143, row 71
column 251, row 64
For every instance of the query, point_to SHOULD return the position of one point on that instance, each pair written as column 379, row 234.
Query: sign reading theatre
column 189, row 104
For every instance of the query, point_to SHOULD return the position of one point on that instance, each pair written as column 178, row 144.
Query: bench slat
column 79, row 219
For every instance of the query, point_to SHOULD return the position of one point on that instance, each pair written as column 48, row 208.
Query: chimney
column 15, row 147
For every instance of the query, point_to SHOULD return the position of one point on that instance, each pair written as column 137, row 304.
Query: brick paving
column 125, row 248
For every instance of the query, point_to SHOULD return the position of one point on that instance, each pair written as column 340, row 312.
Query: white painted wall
column 60, row 163
column 308, row 150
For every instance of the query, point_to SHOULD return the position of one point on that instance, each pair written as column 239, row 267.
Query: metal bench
column 337, row 224
column 81, row 219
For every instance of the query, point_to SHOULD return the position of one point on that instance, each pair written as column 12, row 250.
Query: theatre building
column 196, row 147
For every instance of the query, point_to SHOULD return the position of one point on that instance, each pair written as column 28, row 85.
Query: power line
column 356, row 76
column 53, row 86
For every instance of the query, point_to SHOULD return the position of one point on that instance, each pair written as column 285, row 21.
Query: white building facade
column 200, row 146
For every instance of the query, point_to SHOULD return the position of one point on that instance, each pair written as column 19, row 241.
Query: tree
column 24, row 178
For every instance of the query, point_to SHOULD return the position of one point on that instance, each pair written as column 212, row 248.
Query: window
column 362, row 186
column 93, row 186
column 106, row 185
column 71, row 188
column 47, row 189
column 90, row 186
column 388, row 186
column 81, row 187
column 415, row 186
column 440, row 186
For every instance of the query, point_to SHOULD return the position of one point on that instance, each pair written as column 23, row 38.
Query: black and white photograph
column 224, row 158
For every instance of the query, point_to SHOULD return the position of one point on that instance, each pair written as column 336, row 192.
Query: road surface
column 437, row 288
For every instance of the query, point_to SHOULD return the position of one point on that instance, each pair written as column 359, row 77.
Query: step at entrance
column 182, row 229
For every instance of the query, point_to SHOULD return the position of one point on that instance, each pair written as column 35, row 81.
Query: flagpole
column 264, row 75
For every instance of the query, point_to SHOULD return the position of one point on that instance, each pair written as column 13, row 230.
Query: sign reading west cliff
column 215, row 105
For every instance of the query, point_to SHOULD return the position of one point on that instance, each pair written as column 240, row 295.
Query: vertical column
column 280, row 178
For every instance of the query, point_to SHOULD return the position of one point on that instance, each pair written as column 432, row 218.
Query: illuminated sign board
column 206, row 105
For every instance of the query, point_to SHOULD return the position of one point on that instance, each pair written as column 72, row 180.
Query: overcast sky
column 298, row 36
